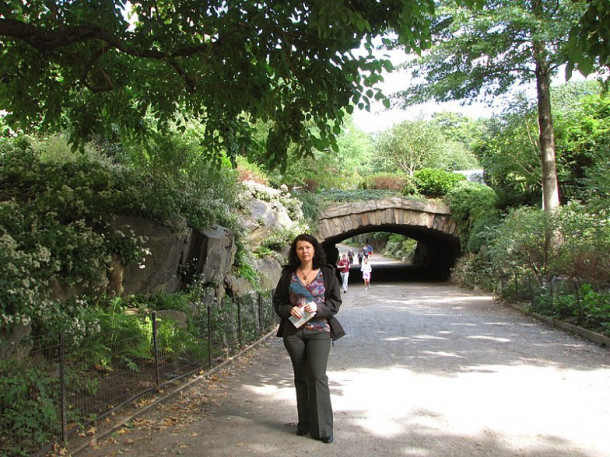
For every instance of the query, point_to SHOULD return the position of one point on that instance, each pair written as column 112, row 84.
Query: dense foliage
column 442, row 142
column 435, row 182
column 56, row 221
column 93, row 67
column 508, row 148
column 484, row 53
column 474, row 208
column 400, row 247
column 587, row 47
column 162, row 87
column 529, row 250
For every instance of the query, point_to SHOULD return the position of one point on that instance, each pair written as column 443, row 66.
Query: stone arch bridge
column 429, row 223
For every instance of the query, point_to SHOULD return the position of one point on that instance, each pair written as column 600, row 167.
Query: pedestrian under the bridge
column 309, row 286
column 343, row 266
column 366, row 269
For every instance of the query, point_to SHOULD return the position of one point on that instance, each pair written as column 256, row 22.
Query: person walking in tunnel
column 343, row 266
column 366, row 270
column 308, row 289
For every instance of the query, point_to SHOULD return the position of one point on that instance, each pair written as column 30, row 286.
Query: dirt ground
column 426, row 369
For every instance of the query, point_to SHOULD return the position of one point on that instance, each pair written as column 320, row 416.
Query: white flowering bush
column 55, row 222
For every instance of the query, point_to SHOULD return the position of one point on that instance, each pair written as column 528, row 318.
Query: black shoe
column 302, row 431
column 327, row 439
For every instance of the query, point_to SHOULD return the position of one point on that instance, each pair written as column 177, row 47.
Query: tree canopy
column 588, row 45
column 104, row 66
column 486, row 52
column 438, row 143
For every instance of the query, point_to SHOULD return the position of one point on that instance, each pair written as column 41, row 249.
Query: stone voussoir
column 344, row 217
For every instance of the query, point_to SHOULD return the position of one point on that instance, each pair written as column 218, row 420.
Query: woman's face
column 305, row 251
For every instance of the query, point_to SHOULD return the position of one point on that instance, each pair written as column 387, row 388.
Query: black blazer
column 328, row 309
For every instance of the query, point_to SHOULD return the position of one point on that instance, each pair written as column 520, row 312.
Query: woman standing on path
column 309, row 286
column 366, row 269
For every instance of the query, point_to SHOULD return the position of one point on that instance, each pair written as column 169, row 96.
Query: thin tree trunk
column 550, row 186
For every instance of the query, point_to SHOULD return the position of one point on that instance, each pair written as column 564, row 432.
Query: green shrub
column 400, row 247
column 585, row 244
column 523, row 242
column 474, row 270
column 595, row 309
column 388, row 181
column 358, row 195
column 310, row 205
column 279, row 239
column 28, row 395
column 410, row 188
column 570, row 242
column 434, row 182
column 584, row 307
column 116, row 338
column 473, row 208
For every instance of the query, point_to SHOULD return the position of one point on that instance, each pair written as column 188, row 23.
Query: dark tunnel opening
column 435, row 256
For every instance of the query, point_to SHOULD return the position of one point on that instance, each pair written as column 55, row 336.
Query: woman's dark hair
column 319, row 256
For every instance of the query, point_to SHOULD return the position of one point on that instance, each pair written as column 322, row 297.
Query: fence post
column 239, row 328
column 578, row 304
column 62, row 382
column 155, row 349
column 209, row 307
column 261, row 324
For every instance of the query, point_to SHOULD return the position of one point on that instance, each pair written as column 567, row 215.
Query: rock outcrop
column 265, row 210
column 172, row 259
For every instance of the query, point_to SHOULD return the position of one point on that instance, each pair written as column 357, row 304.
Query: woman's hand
column 311, row 307
column 296, row 312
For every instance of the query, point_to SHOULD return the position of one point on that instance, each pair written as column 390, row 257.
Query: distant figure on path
column 343, row 266
column 366, row 269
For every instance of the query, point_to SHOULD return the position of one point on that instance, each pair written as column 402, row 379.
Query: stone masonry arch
column 427, row 222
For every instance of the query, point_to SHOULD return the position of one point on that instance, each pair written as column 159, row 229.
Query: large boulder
column 172, row 258
column 269, row 270
column 209, row 254
column 238, row 287
column 158, row 272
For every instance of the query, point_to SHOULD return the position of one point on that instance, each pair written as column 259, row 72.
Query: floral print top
column 314, row 291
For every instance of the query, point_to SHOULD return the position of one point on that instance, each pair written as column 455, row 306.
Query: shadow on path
column 426, row 369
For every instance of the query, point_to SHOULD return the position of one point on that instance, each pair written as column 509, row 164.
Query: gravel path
column 426, row 369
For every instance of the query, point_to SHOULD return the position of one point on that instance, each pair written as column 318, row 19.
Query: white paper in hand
column 298, row 322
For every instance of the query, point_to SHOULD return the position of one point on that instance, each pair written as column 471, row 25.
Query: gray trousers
column 308, row 350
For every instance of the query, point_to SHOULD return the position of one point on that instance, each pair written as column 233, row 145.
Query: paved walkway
column 426, row 370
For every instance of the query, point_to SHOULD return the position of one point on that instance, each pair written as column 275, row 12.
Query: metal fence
column 69, row 383
column 585, row 304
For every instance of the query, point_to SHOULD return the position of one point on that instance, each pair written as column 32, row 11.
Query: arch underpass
column 430, row 224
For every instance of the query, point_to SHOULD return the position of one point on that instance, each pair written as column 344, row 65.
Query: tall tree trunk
column 550, row 186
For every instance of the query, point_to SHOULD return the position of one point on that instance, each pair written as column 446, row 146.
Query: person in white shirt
column 366, row 269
